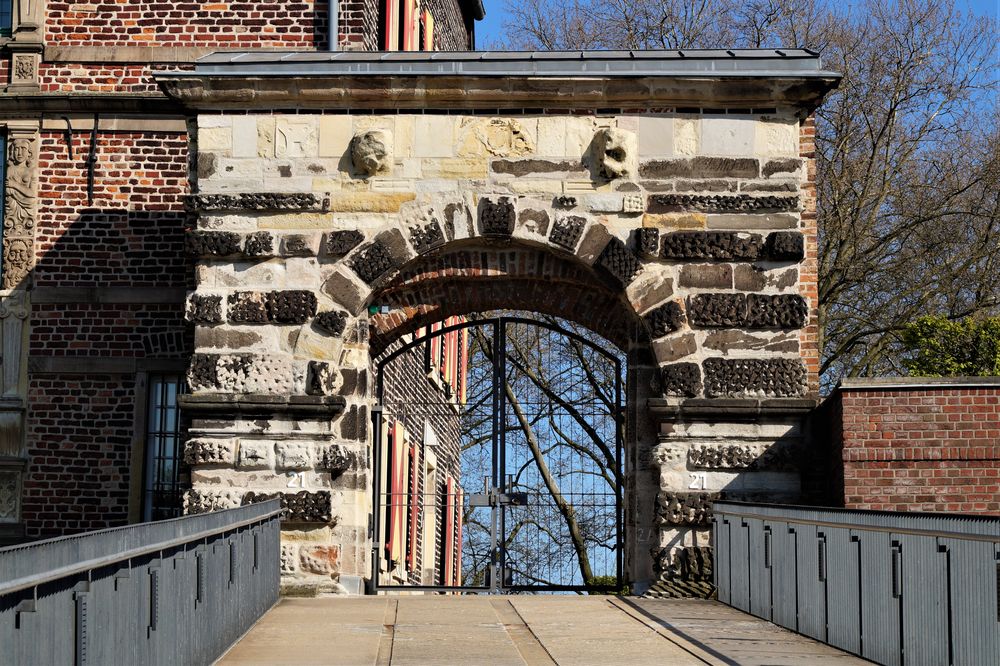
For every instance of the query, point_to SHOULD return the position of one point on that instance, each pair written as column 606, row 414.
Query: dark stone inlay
column 787, row 165
column 720, row 203
column 566, row 231
column 701, row 167
column 211, row 243
column 204, row 309
column 681, row 379
column 248, row 307
column 717, row 310
column 255, row 201
column 373, row 262
column 331, row 322
column 785, row 246
column 529, row 166
column 665, row 319
column 497, row 217
column 776, row 378
column 427, row 237
column 776, row 311
column 302, row 507
column 339, row 243
column 647, row 240
column 291, row 307
column 712, row 245
column 259, row 244
column 618, row 260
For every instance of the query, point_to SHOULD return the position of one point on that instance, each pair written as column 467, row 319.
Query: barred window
column 165, row 474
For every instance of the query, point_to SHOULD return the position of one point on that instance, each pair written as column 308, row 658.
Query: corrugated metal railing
column 895, row 588
column 171, row 592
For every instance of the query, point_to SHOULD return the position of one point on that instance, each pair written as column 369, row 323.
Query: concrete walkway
column 501, row 631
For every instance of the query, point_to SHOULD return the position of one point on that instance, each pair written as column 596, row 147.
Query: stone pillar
column 25, row 46
column 18, row 260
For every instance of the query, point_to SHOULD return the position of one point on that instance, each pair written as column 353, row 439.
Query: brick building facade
column 98, row 165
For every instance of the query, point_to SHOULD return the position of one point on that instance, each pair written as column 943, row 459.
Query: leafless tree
column 907, row 150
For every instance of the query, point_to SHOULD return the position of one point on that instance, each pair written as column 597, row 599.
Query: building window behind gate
column 6, row 17
column 165, row 475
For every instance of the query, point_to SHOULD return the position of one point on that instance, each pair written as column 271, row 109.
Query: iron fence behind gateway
column 895, row 588
column 177, row 591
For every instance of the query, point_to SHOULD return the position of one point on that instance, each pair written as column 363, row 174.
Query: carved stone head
column 20, row 152
column 371, row 152
column 615, row 153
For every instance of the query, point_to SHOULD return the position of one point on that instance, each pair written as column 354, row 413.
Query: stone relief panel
column 19, row 209
column 10, row 496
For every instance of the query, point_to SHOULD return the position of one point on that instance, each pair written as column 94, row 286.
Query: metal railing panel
column 893, row 587
column 174, row 592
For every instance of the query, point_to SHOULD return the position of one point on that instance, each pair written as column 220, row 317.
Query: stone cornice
column 730, row 409
column 227, row 404
column 224, row 91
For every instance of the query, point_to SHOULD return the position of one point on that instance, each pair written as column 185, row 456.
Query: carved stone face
column 615, row 152
column 20, row 152
column 371, row 153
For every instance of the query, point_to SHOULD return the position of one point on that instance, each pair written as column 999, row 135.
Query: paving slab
column 568, row 630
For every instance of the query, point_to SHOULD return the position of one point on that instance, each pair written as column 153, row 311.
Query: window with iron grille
column 165, row 473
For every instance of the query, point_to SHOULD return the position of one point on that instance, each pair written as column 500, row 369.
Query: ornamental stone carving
column 371, row 153
column 302, row 507
column 10, row 496
column 615, row 152
column 205, row 501
column 20, row 204
column 209, row 452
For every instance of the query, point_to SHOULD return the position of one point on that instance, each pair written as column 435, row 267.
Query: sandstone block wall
column 695, row 224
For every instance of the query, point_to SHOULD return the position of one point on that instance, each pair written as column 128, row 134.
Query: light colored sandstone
column 216, row 139
column 727, row 135
column 296, row 136
column 674, row 221
column 244, row 136
column 335, row 133
column 687, row 136
column 777, row 137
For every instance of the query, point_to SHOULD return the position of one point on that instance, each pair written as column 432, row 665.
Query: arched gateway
column 351, row 203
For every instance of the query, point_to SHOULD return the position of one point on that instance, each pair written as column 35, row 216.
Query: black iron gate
column 498, row 460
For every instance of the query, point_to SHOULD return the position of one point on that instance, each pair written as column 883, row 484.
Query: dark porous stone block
column 497, row 216
column 211, row 243
column 684, row 508
column 536, row 220
column 689, row 563
column 773, row 378
column 339, row 243
column 701, row 167
column 332, row 322
column 302, row 507
column 785, row 246
column 566, row 202
column 291, row 307
column 787, row 165
column 681, row 379
column 712, row 245
column 355, row 382
column 665, row 319
column 529, row 166
column 203, row 373
column 354, row 424
column 259, row 244
column 618, row 260
column 717, row 310
column 780, row 311
column 373, row 262
column 204, row 309
column 699, row 186
column 320, row 378
column 297, row 245
column 337, row 459
column 566, row 231
column 647, row 241
column 248, row 307
column 256, row 201
column 720, row 203
column 427, row 237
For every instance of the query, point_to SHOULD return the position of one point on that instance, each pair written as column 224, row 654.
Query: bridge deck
column 428, row 630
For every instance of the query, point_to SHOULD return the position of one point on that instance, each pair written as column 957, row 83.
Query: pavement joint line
column 247, row 632
column 527, row 643
column 669, row 635
column 388, row 637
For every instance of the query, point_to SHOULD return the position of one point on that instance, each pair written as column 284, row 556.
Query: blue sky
column 491, row 28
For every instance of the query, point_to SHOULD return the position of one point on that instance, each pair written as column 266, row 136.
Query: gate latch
column 496, row 498
column 513, row 499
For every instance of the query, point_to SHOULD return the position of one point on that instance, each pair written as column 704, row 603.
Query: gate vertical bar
column 500, row 436
column 619, row 435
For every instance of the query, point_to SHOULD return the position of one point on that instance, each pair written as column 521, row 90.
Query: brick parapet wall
column 932, row 448
column 809, row 337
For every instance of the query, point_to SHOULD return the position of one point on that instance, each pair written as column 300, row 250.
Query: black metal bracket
column 92, row 160
column 69, row 137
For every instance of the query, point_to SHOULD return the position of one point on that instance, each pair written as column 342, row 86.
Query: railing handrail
column 258, row 512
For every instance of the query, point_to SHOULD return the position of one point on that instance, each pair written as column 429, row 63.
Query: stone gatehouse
column 664, row 200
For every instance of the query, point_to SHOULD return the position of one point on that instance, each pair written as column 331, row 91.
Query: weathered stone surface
column 345, row 291
column 293, row 455
column 566, row 201
column 535, row 166
column 781, row 311
column 784, row 166
column 294, row 306
column 771, row 378
column 256, row 201
column 322, row 378
column 205, row 501
column 567, row 231
column 717, row 310
column 664, row 320
column 605, row 203
column 780, row 456
column 248, row 307
column 681, row 379
column 684, row 508
column 712, row 245
column 690, row 563
column 240, row 373
column 302, row 507
column 615, row 153
column 674, row 221
column 785, row 246
column 331, row 322
column 371, row 153
column 668, row 350
column 632, row 203
column 426, row 237
column 288, row 557
column 647, row 241
column 203, row 451
column 751, row 277
column 457, row 221
column 720, row 203
column 618, row 260
column 706, row 276
column 497, row 216
column 300, row 245
column 203, row 309
column 203, row 371
column 533, row 220
column 354, row 424
column 323, row 560
column 701, row 167
column 211, row 243
column 731, row 340
column 259, row 244
column 339, row 243
column 337, row 458
column 255, row 454
column 770, row 187
column 752, row 221
column 373, row 261
column 700, row 186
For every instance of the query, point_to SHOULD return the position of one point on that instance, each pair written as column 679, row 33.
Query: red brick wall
column 809, row 268
column 935, row 448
